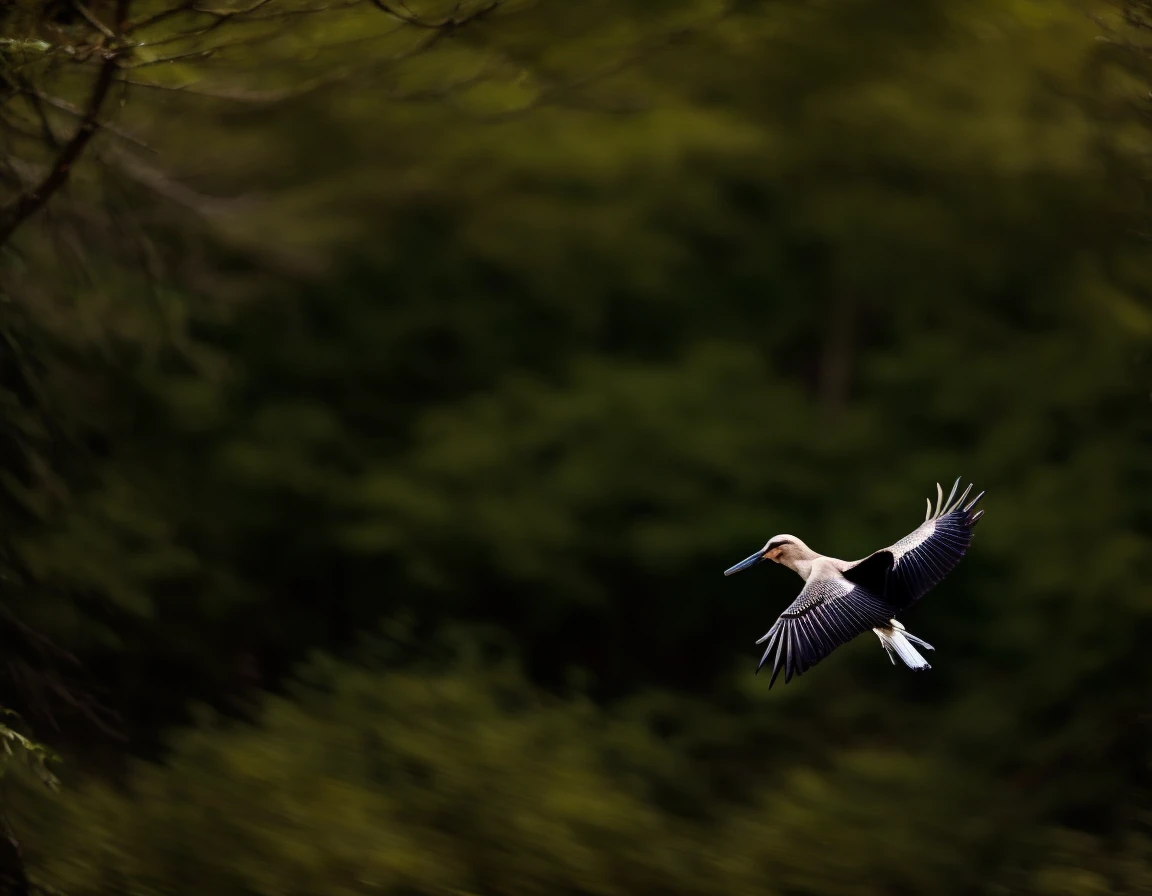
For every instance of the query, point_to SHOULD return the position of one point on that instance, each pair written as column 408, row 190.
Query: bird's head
column 778, row 549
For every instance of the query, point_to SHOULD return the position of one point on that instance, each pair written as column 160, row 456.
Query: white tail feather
column 897, row 641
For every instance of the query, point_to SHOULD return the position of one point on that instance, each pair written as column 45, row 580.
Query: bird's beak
column 747, row 563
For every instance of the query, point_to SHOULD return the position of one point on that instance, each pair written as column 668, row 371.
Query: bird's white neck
column 802, row 567
column 799, row 558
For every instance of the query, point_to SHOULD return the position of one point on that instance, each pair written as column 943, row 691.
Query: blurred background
column 385, row 388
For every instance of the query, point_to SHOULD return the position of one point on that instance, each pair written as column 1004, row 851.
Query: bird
column 842, row 599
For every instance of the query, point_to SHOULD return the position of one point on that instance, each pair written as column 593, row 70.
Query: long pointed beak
column 747, row 563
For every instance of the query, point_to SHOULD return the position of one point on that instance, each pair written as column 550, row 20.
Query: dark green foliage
column 551, row 371
column 468, row 780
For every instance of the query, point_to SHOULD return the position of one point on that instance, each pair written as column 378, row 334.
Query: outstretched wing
column 826, row 614
column 918, row 562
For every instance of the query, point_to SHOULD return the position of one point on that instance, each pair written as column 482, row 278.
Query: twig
column 206, row 51
column 449, row 23
column 65, row 106
column 92, row 20
column 45, row 125
column 163, row 185
column 220, row 16
column 268, row 97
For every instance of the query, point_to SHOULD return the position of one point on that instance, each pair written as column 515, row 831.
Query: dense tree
column 544, row 348
column 467, row 780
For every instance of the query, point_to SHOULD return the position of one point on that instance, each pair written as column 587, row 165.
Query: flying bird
column 842, row 599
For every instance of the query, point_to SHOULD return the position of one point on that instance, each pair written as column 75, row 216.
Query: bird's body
column 843, row 599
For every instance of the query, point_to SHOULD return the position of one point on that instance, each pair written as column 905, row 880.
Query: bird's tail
column 897, row 641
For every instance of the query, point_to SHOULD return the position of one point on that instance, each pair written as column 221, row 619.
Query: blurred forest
column 386, row 387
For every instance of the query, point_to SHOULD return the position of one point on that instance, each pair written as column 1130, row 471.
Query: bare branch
column 269, row 97
column 32, row 201
column 76, row 111
column 449, row 23
column 160, row 183
column 42, row 117
column 222, row 16
column 206, row 51
column 557, row 91
column 190, row 7
column 92, row 20
column 29, row 203
column 162, row 16
column 219, row 19
column 180, row 36
column 259, row 97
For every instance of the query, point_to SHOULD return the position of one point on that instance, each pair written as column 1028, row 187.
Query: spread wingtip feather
column 951, row 495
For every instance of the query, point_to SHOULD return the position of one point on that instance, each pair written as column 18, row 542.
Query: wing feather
column 825, row 615
column 922, row 558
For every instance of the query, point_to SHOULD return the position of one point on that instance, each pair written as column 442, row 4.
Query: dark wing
column 826, row 614
column 918, row 562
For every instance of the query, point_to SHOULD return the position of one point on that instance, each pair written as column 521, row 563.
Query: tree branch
column 449, row 23
column 92, row 20
column 30, row 202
